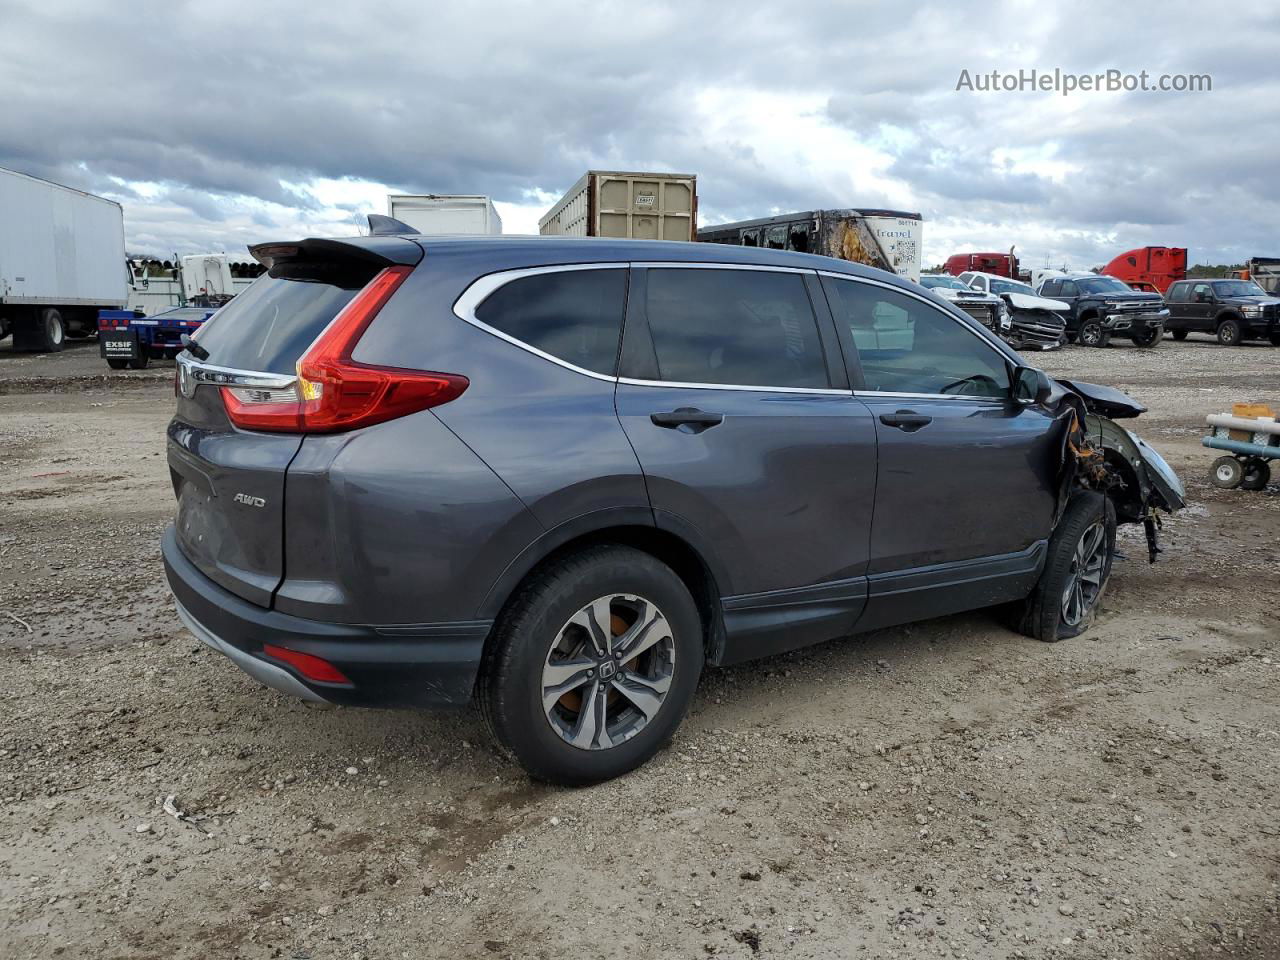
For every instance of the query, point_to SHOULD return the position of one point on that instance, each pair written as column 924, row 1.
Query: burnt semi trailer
column 887, row 239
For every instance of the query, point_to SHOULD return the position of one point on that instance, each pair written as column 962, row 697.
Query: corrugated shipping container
column 437, row 213
column 59, row 247
column 610, row 203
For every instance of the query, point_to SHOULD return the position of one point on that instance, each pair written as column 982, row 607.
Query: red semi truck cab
column 1000, row 264
column 1152, row 269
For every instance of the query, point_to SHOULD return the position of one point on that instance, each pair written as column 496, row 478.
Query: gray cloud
column 224, row 106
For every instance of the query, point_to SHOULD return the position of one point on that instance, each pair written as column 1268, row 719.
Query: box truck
column 610, row 203
column 437, row 213
column 61, row 261
column 888, row 239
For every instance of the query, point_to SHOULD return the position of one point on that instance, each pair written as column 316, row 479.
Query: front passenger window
column 907, row 346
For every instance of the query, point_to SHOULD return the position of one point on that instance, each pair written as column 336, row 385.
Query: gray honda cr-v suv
column 557, row 476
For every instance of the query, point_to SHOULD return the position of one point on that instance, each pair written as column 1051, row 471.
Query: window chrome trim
column 192, row 373
column 825, row 391
column 872, row 394
column 706, row 265
column 480, row 289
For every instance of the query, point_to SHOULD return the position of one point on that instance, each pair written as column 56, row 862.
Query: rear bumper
column 431, row 665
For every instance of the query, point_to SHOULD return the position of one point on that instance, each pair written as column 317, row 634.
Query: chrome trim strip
column 825, row 391
column 871, row 394
column 228, row 377
column 464, row 308
column 701, row 265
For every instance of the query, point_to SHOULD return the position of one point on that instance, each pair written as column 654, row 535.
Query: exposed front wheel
column 1229, row 333
column 1076, row 571
column 593, row 666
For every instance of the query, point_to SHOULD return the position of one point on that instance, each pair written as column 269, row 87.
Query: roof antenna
column 380, row 226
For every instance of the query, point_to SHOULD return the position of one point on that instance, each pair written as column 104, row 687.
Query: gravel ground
column 947, row 789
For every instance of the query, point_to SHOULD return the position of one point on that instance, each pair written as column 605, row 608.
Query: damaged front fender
column 1100, row 454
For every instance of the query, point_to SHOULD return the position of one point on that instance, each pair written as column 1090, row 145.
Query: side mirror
column 1030, row 386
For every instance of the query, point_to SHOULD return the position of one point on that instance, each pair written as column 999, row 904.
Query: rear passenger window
column 1049, row 288
column 743, row 327
column 573, row 315
column 907, row 346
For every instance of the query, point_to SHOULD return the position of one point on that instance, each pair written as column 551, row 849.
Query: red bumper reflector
column 313, row 668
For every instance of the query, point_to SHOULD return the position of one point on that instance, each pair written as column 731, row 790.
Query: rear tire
column 545, row 630
column 117, row 363
column 139, row 363
column 1226, row 473
column 1076, row 571
column 1275, row 339
column 1257, row 474
column 1179, row 335
column 1229, row 333
column 40, row 332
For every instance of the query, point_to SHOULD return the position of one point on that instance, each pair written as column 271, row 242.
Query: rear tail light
column 334, row 392
column 311, row 667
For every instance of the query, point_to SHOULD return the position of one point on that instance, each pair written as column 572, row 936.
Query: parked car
column 1231, row 310
column 1102, row 307
column 988, row 309
column 449, row 469
column 1034, row 321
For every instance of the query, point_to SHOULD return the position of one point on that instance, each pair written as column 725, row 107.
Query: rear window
column 573, row 315
column 270, row 325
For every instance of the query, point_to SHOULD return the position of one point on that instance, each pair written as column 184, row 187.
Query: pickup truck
column 1102, row 307
column 1231, row 310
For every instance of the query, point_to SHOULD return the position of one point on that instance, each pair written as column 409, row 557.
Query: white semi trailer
column 61, row 261
column 445, row 213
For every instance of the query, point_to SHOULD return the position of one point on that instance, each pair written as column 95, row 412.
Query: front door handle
column 697, row 420
column 907, row 421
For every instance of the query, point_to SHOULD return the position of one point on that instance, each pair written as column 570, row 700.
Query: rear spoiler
column 384, row 250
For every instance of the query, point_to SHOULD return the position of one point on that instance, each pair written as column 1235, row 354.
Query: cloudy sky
column 223, row 123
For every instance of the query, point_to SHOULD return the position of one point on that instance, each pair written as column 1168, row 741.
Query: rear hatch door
column 230, row 482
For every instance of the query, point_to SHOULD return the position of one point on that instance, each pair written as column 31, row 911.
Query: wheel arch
column 1223, row 315
column 671, row 541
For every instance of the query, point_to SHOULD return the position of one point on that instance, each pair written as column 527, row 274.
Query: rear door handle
column 907, row 421
column 692, row 417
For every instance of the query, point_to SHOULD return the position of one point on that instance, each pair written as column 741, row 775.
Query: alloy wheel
column 1084, row 578
column 608, row 671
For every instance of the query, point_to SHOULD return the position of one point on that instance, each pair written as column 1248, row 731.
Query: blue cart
column 1256, row 442
column 128, row 338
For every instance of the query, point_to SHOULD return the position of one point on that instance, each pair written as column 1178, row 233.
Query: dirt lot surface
column 948, row 789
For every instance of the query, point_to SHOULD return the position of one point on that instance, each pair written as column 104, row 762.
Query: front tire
column 1093, row 334
column 1229, row 333
column 1149, row 337
column 592, row 666
column 1076, row 571
column 1179, row 335
column 1226, row 473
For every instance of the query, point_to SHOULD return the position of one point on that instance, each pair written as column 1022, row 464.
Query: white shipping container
column 610, row 203
column 445, row 213
column 59, row 247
